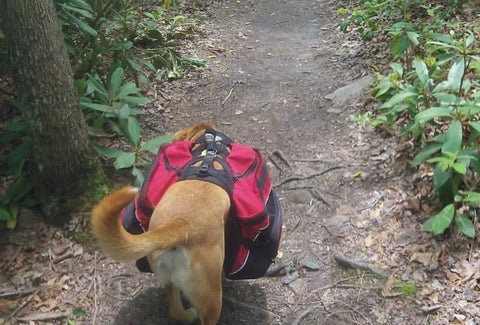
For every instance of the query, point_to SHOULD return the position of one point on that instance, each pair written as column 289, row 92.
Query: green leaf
column 136, row 100
column 21, row 152
column 456, row 73
column 133, row 130
column 96, row 85
column 382, row 88
column 453, row 138
column 124, row 160
column 115, row 81
column 441, row 221
column 430, row 113
column 79, row 312
column 98, row 107
column 413, row 37
column 127, row 89
column 107, row 152
column 421, row 70
column 472, row 197
column 4, row 214
column 460, row 168
column 465, row 225
column 139, row 177
column 20, row 187
column 447, row 98
column 124, row 112
column 444, row 45
column 397, row 67
column 398, row 98
column 425, row 153
column 400, row 44
column 16, row 127
column 82, row 12
column 470, row 39
column 80, row 23
column 154, row 144
column 135, row 66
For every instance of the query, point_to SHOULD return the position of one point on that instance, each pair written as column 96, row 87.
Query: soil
column 270, row 65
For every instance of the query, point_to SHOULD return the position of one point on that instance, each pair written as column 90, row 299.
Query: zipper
column 250, row 169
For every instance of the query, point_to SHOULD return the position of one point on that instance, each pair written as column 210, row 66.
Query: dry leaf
column 368, row 241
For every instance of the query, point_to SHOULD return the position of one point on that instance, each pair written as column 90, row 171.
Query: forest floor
column 272, row 66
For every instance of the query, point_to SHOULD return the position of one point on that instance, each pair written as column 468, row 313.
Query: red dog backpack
column 254, row 225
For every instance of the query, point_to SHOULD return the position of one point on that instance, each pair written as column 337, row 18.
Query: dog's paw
column 185, row 316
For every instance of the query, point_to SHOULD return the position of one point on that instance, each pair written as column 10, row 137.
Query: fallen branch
column 352, row 264
column 253, row 309
column 275, row 163
column 291, row 179
column 279, row 153
column 62, row 258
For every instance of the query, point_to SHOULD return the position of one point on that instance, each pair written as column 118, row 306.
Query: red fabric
column 248, row 199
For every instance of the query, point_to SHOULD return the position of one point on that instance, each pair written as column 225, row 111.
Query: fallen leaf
column 368, row 241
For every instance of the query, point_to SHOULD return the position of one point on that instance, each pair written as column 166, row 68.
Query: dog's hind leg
column 204, row 287
column 177, row 311
column 208, row 303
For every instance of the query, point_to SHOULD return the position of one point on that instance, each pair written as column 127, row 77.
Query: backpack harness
column 253, row 228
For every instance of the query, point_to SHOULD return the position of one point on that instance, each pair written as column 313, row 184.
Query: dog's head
column 193, row 132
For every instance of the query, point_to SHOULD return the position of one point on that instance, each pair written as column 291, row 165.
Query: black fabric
column 263, row 249
column 132, row 225
column 213, row 147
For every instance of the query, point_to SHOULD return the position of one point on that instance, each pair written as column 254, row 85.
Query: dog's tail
column 117, row 243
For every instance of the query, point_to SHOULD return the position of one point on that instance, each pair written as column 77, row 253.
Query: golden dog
column 184, row 244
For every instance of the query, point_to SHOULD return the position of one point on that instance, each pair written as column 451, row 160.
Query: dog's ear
column 193, row 132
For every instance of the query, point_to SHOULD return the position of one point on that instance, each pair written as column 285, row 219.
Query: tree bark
column 63, row 156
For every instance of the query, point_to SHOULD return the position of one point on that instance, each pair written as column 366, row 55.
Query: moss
column 407, row 289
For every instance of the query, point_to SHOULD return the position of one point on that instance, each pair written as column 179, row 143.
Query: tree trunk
column 63, row 156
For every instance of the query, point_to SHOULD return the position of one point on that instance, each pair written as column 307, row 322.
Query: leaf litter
column 376, row 202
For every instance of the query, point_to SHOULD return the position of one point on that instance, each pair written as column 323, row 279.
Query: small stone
column 310, row 266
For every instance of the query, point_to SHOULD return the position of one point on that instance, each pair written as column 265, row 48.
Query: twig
column 314, row 160
column 62, row 258
column 276, row 269
column 279, row 153
column 275, row 163
column 355, row 310
column 42, row 317
column 349, row 263
column 26, row 302
column 228, row 96
column 318, row 195
column 16, row 254
column 291, row 179
column 305, row 313
column 315, row 191
column 253, row 309
column 17, row 293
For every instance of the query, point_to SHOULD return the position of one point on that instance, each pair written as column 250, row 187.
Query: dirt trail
column 270, row 65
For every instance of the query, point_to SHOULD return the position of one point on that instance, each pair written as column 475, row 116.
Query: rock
column 310, row 266
column 346, row 95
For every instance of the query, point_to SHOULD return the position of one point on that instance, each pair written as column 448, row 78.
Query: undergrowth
column 115, row 46
column 430, row 95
